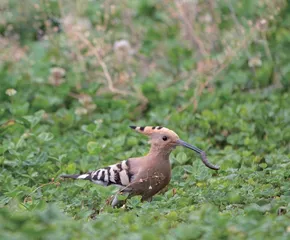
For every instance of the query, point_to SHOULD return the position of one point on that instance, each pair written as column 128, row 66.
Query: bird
column 147, row 175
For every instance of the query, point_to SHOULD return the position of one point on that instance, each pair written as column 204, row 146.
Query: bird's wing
column 117, row 174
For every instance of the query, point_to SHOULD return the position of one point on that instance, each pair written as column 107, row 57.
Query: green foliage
column 59, row 114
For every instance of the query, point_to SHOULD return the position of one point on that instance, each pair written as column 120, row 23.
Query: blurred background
column 74, row 74
column 80, row 54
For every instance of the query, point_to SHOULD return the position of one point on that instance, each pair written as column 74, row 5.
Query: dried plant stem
column 111, row 87
column 110, row 84
column 103, row 65
column 222, row 66
column 196, row 41
column 266, row 46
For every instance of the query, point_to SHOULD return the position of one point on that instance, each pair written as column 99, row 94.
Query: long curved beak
column 202, row 154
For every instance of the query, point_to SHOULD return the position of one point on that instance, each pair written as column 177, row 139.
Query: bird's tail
column 85, row 176
column 118, row 174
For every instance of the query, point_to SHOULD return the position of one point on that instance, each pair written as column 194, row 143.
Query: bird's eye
column 164, row 138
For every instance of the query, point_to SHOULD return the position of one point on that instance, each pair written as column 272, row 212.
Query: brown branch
column 112, row 88
column 108, row 77
column 187, row 23
column 223, row 66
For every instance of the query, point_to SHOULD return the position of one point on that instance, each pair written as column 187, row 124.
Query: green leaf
column 45, row 136
column 35, row 119
column 42, row 157
column 93, row 147
column 24, row 122
column 71, row 168
column 181, row 158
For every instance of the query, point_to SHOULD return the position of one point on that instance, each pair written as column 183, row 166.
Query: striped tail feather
column 85, row 176
column 118, row 174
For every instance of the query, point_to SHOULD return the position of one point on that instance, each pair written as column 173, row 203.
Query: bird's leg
column 146, row 199
column 115, row 201
column 149, row 199
column 119, row 203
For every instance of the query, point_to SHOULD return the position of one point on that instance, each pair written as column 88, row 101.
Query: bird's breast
column 151, row 179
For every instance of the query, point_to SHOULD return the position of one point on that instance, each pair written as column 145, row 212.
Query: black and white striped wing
column 118, row 174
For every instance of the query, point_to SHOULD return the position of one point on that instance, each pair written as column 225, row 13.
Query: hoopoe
column 146, row 175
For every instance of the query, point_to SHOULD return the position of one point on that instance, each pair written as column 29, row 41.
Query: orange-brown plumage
column 145, row 175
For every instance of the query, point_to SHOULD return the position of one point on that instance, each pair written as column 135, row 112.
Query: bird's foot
column 117, row 203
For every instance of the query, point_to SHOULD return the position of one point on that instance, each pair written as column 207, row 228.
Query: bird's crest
column 149, row 130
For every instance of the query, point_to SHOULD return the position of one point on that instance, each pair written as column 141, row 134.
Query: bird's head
column 165, row 140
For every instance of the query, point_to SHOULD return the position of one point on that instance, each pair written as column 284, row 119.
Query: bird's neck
column 159, row 152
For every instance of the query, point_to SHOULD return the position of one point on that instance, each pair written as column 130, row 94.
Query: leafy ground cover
column 75, row 74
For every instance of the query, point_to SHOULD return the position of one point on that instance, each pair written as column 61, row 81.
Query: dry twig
column 103, row 65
